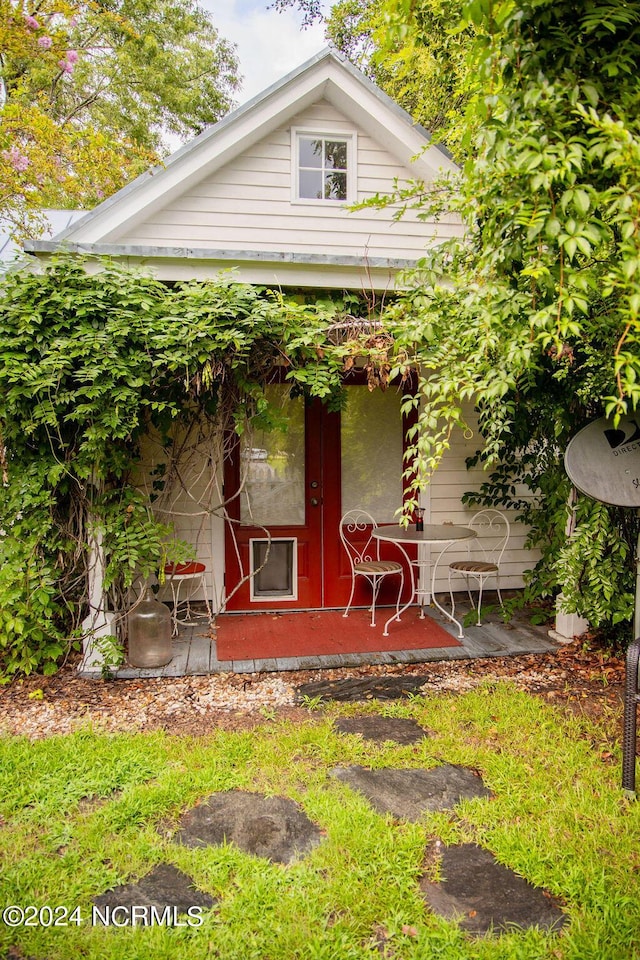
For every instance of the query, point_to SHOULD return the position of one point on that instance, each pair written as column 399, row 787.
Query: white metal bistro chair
column 493, row 529
column 356, row 533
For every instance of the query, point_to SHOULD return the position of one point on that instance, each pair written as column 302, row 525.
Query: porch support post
column 568, row 625
column 100, row 622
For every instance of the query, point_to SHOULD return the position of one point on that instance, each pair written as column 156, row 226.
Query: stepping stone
column 367, row 688
column 166, row 889
column 381, row 729
column 484, row 895
column 271, row 827
column 408, row 794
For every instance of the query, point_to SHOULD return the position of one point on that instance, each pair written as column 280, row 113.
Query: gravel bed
column 37, row 706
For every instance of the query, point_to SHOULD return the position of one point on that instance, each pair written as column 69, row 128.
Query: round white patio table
column 442, row 535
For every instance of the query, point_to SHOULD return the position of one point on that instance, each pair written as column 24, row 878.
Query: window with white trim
column 324, row 165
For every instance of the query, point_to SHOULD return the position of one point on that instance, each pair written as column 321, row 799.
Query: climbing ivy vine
column 96, row 358
column 538, row 323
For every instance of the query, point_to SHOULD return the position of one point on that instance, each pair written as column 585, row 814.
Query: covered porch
column 195, row 649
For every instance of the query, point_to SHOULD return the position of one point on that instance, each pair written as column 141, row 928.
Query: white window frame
column 350, row 139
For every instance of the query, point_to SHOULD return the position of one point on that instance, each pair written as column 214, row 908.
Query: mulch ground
column 577, row 679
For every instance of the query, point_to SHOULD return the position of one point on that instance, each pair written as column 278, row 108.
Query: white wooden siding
column 246, row 205
column 444, row 502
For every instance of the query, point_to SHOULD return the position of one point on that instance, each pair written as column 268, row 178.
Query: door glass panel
column 371, row 446
column 273, row 462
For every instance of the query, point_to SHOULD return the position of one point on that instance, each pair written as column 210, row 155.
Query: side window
column 324, row 167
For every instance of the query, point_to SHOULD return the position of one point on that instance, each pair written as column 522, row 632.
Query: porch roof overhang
column 279, row 268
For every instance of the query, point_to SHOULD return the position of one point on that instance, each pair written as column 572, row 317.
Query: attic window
column 324, row 166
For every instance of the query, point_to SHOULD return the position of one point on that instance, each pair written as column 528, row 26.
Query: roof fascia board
column 205, row 253
column 290, row 273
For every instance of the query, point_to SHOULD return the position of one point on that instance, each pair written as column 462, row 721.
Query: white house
column 269, row 191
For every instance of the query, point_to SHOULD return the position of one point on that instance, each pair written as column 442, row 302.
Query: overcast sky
column 269, row 44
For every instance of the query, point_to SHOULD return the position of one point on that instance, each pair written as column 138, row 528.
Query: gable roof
column 328, row 76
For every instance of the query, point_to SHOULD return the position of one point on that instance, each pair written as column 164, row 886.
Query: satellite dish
column 603, row 461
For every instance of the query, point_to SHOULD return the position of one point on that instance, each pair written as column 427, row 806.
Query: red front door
column 294, row 486
column 298, row 503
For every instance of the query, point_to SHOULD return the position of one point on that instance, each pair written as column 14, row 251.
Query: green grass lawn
column 86, row 812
